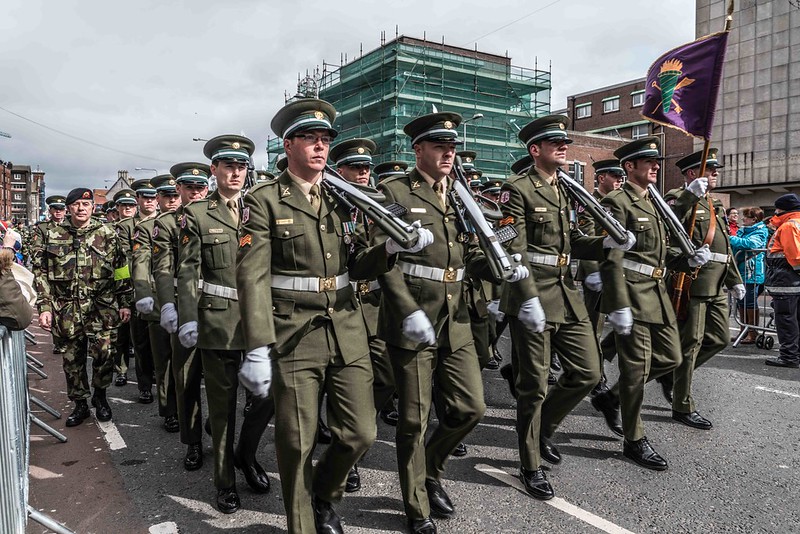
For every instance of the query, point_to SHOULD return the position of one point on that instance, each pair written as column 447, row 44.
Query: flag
column 682, row 86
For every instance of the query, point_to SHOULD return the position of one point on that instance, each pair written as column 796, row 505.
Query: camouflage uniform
column 34, row 247
column 80, row 279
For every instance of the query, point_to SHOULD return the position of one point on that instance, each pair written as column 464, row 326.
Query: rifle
column 366, row 200
column 576, row 191
column 673, row 224
column 472, row 221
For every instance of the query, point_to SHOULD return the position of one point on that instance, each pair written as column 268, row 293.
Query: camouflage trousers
column 76, row 350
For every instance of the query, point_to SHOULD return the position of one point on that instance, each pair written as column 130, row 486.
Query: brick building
column 5, row 190
column 27, row 188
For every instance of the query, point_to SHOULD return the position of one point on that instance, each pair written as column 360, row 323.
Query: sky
column 90, row 87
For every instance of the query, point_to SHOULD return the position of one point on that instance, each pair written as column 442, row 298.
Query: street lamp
column 198, row 139
column 465, row 121
column 146, row 169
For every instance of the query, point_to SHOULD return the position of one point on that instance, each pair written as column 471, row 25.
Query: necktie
column 438, row 188
column 314, row 197
column 233, row 207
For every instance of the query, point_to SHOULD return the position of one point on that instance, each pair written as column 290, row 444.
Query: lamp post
column 146, row 169
column 464, row 123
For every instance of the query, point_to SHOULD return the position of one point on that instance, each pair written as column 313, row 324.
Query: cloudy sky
column 90, row 87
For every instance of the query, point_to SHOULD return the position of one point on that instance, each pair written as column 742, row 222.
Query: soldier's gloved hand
column 609, row 242
column 494, row 310
column 621, row 321
column 169, row 318
column 417, row 327
column 145, row 305
column 425, row 238
column 256, row 371
column 188, row 334
column 520, row 271
column 739, row 291
column 531, row 314
column 593, row 282
column 698, row 186
column 700, row 258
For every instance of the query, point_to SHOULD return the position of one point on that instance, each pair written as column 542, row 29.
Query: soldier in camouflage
column 125, row 205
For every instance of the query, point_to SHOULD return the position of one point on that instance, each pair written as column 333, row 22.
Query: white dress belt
column 554, row 260
column 310, row 283
column 719, row 258
column 220, row 291
column 431, row 273
column 647, row 270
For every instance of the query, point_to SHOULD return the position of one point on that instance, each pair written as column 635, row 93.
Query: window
column 637, row 99
column 610, row 104
column 583, row 111
column 640, row 130
column 18, row 196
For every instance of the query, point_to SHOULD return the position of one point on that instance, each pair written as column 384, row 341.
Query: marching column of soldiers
column 297, row 290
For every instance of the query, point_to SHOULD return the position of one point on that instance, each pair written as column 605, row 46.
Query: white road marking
column 112, row 435
column 41, row 473
column 222, row 521
column 121, row 401
column 556, row 502
column 778, row 391
column 169, row 527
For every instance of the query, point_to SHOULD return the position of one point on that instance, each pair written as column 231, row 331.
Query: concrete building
column 757, row 124
column 26, row 189
column 5, row 190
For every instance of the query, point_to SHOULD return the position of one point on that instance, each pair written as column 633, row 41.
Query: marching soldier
column 209, row 317
column 639, row 310
column 302, row 326
column 703, row 316
column 264, row 176
column 110, row 209
column 192, row 184
column 83, row 294
column 125, row 205
column 148, row 305
column 546, row 312
column 390, row 169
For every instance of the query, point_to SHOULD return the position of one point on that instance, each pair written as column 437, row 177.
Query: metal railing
column 761, row 322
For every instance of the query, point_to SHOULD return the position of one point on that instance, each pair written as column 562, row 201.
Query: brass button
column 286, row 233
column 447, row 219
column 450, row 269
column 322, row 227
column 330, row 310
column 328, row 255
column 450, row 244
column 449, row 296
column 216, row 240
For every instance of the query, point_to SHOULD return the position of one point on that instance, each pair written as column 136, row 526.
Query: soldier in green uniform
column 703, row 317
column 390, row 169
column 192, row 185
column 302, row 326
column 639, row 310
column 83, row 293
column 148, row 305
column 609, row 176
column 209, row 316
column 110, row 209
column 125, row 205
column 546, row 312
column 264, row 176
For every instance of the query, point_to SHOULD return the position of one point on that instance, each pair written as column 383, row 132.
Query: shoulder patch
column 245, row 214
column 504, row 196
column 246, row 240
column 155, row 231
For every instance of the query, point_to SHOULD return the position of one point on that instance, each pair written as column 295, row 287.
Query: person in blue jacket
column 752, row 235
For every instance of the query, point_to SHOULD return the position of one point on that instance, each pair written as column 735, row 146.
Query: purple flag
column 682, row 86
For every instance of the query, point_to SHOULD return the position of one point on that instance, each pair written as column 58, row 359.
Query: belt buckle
column 562, row 260
column 449, row 275
column 363, row 288
column 658, row 273
column 327, row 284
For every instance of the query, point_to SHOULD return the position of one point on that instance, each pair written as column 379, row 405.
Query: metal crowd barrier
column 764, row 323
column 15, row 419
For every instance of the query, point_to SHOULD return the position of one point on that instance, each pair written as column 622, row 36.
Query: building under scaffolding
column 378, row 93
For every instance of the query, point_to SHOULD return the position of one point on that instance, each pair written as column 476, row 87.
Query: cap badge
column 195, row 172
column 361, row 150
column 171, row 182
column 319, row 115
column 397, row 167
column 561, row 126
column 235, row 145
column 468, row 160
column 86, row 194
column 653, row 145
column 448, row 124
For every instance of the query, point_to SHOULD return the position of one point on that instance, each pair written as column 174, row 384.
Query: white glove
column 425, row 238
column 593, row 282
column 494, row 310
column 739, row 291
column 698, row 186
column 531, row 314
column 169, row 318
column 609, row 242
column 520, row 271
column 700, row 258
column 188, row 334
column 145, row 305
column 621, row 321
column 256, row 371
column 417, row 327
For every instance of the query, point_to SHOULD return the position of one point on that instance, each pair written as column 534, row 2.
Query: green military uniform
column 539, row 209
column 704, row 332
column 122, row 335
column 293, row 272
column 144, row 288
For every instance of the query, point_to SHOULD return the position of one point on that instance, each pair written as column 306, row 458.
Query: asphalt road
column 742, row 476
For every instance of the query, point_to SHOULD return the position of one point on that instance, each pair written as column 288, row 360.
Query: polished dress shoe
column 536, row 483
column 253, row 473
column 599, row 389
column 194, row 457
column 422, row 526
column 693, row 419
column 145, row 396
column 441, row 505
column 609, row 407
column 460, row 451
column 390, row 416
column 551, row 379
column 781, row 362
column 555, row 363
column 80, row 413
column 323, row 433
column 548, row 451
column 507, row 372
column 493, row 364
column 497, row 354
column 666, row 387
column 325, row 517
column 228, row 500
column 643, row 454
column 121, row 379
column 102, row 409
column 353, row 482
column 171, row 424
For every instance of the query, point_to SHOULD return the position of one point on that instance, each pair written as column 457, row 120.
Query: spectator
column 15, row 312
column 752, row 236
column 733, row 220
column 783, row 279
